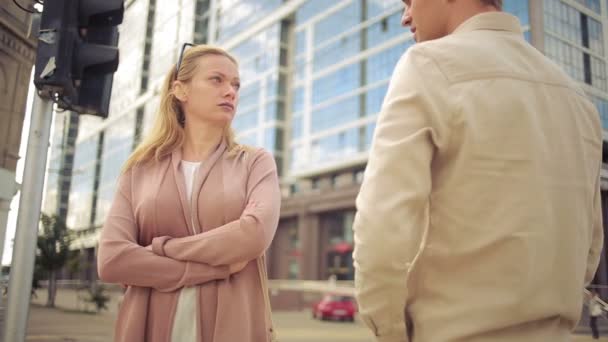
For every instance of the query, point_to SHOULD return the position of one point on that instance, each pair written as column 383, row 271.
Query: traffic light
column 78, row 54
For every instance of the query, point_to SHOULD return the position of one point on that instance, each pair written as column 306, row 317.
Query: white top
column 595, row 308
column 184, row 323
column 189, row 169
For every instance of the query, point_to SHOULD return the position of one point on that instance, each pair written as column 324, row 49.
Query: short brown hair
column 495, row 3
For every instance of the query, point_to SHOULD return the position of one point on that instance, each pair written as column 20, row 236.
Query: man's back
column 514, row 191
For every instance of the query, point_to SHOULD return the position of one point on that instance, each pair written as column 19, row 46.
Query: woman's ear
column 180, row 91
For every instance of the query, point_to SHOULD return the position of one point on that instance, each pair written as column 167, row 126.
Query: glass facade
column 83, row 180
column 125, row 90
column 51, row 203
column 574, row 39
column 313, row 79
column 260, row 117
column 345, row 53
column 117, row 146
column 237, row 16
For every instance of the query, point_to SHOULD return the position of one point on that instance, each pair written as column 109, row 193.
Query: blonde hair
column 167, row 134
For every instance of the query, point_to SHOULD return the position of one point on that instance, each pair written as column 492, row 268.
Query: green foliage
column 53, row 243
column 53, row 251
column 99, row 297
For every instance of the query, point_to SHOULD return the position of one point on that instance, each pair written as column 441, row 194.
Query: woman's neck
column 200, row 141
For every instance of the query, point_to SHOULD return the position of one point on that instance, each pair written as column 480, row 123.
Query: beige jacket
column 479, row 217
column 236, row 201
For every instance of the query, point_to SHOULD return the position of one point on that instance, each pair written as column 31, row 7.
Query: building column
column 537, row 24
column 213, row 18
column 276, row 256
column 604, row 13
column 91, row 255
column 5, row 206
column 8, row 188
column 17, row 55
column 308, row 232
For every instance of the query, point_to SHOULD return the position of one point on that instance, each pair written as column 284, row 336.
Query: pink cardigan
column 238, row 204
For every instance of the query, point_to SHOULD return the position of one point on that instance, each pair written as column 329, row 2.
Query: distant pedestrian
column 595, row 312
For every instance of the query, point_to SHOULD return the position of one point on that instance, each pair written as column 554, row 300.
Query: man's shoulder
column 446, row 48
column 482, row 54
column 420, row 62
column 452, row 56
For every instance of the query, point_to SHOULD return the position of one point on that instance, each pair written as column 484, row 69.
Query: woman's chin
column 226, row 118
column 221, row 119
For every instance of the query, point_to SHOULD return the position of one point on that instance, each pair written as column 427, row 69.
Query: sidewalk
column 68, row 324
column 59, row 325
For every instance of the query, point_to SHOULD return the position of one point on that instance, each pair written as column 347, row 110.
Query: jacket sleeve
column 122, row 260
column 392, row 217
column 597, row 236
column 241, row 240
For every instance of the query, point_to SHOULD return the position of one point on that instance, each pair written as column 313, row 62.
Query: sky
column 12, row 215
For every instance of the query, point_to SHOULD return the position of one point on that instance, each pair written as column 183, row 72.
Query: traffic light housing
column 78, row 54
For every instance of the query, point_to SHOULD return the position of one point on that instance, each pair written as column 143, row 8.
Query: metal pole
column 24, row 250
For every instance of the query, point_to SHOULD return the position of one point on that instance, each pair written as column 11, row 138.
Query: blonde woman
column 193, row 212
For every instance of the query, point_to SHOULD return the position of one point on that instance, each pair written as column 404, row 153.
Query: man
column 479, row 217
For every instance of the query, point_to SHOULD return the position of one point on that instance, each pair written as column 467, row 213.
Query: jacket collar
column 176, row 155
column 189, row 209
column 494, row 21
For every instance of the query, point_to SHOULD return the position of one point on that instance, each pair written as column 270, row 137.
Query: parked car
column 335, row 307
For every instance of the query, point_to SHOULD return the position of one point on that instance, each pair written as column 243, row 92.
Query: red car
column 335, row 307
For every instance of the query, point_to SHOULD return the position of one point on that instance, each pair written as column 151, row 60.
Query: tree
column 74, row 264
column 53, row 250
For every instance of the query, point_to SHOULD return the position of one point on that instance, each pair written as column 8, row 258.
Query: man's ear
column 180, row 91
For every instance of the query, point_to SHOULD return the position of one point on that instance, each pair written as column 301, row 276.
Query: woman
column 193, row 212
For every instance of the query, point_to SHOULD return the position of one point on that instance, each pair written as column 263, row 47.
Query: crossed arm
column 173, row 263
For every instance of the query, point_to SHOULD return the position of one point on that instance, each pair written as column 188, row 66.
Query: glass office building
column 314, row 75
column 574, row 38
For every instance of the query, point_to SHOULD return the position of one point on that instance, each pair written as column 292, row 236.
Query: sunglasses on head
column 181, row 57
